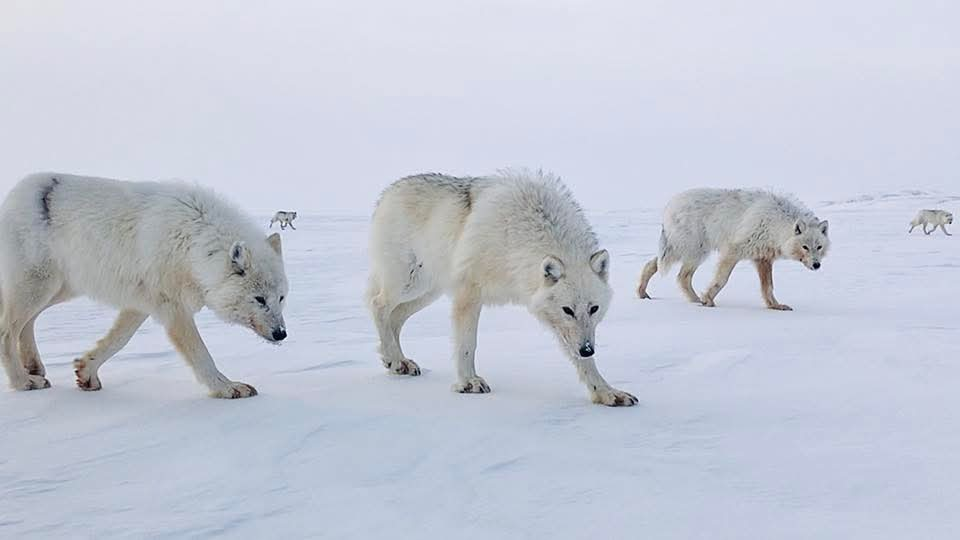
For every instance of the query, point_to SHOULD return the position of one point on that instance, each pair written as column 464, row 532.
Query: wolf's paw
column 611, row 397
column 32, row 382
column 403, row 367
column 781, row 307
column 473, row 385
column 643, row 295
column 87, row 379
column 707, row 302
column 235, row 390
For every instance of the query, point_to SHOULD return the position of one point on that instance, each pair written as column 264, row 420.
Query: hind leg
column 685, row 280
column 383, row 304
column 724, row 268
column 649, row 270
column 86, row 367
column 29, row 353
column 24, row 299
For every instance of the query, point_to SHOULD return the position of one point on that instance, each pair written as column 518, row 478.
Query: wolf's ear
column 600, row 262
column 274, row 241
column 239, row 258
column 552, row 269
column 799, row 227
column 824, row 225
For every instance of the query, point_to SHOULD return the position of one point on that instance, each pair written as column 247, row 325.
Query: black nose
column 816, row 266
column 279, row 334
column 586, row 351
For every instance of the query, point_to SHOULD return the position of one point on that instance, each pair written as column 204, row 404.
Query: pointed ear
column 824, row 225
column 552, row 270
column 600, row 262
column 799, row 227
column 239, row 257
column 274, row 241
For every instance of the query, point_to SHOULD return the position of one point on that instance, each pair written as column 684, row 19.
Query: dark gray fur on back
column 45, row 199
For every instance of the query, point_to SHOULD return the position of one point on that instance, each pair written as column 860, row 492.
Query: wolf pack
column 166, row 250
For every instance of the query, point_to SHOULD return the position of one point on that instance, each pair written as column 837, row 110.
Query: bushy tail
column 665, row 256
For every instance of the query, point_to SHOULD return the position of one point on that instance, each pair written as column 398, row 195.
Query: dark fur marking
column 45, row 199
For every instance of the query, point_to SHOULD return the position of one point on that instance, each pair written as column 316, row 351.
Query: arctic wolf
column 740, row 224
column 147, row 248
column 284, row 218
column 515, row 238
column 937, row 218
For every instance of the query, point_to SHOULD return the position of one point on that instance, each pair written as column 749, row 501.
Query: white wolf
column 937, row 218
column 740, row 224
column 147, row 248
column 284, row 218
column 515, row 238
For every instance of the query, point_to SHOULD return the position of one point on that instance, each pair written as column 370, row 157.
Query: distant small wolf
column 937, row 218
column 160, row 249
column 515, row 237
column 284, row 218
column 740, row 224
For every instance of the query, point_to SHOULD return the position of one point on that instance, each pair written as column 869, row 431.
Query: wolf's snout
column 586, row 350
column 816, row 266
column 279, row 334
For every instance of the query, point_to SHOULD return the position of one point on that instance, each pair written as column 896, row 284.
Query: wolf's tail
column 665, row 255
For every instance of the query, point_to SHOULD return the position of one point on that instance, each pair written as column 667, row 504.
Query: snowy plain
column 840, row 419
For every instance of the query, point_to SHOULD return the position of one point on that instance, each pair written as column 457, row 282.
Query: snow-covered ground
column 838, row 420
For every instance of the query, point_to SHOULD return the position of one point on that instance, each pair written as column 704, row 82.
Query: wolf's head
column 573, row 299
column 948, row 217
column 809, row 243
column 252, row 288
column 293, row 215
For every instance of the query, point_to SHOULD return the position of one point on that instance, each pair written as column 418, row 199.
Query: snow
column 837, row 420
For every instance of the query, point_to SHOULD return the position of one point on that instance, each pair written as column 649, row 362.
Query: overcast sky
column 319, row 105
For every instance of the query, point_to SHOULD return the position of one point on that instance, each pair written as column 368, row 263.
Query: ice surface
column 838, row 420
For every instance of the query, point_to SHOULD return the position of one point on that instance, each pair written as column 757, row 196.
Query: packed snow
column 840, row 419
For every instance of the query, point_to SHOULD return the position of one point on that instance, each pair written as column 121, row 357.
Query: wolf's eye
column 569, row 312
column 281, row 298
column 260, row 300
column 594, row 309
column 805, row 248
column 819, row 248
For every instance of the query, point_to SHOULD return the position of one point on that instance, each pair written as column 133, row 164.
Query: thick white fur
column 937, row 218
column 513, row 238
column 739, row 224
column 147, row 248
column 284, row 218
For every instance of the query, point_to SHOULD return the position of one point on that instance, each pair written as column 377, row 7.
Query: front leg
column 925, row 231
column 600, row 391
column 291, row 225
column 466, row 318
column 724, row 268
column 765, row 270
column 186, row 338
column 944, row 229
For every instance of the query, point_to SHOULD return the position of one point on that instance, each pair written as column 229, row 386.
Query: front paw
column 472, row 385
column 780, row 307
column 403, row 367
column 611, row 397
column 707, row 302
column 234, row 390
column 87, row 379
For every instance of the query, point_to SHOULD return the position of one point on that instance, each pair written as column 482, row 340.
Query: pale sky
column 316, row 106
